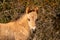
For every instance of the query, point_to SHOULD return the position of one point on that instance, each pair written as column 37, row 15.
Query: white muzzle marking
column 33, row 28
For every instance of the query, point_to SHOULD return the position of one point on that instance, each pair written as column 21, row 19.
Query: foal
column 20, row 29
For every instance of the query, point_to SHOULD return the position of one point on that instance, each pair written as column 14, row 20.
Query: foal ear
column 27, row 10
column 36, row 9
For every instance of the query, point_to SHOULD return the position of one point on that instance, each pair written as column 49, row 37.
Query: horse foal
column 20, row 29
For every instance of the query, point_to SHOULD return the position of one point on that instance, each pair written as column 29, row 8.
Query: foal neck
column 23, row 19
column 23, row 22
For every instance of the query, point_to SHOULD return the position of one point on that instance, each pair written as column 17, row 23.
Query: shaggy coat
column 20, row 29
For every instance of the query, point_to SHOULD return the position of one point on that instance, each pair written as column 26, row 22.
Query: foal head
column 31, row 17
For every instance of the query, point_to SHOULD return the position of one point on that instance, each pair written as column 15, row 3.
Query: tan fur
column 20, row 29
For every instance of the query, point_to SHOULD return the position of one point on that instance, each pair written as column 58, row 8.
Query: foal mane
column 23, row 17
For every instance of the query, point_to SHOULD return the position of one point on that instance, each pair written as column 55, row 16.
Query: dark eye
column 28, row 19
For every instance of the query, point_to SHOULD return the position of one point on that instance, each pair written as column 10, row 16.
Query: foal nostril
column 36, row 19
column 34, row 31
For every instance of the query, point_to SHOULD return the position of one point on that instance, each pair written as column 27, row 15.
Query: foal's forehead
column 32, row 14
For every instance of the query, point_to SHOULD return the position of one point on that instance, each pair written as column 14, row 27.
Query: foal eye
column 28, row 19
